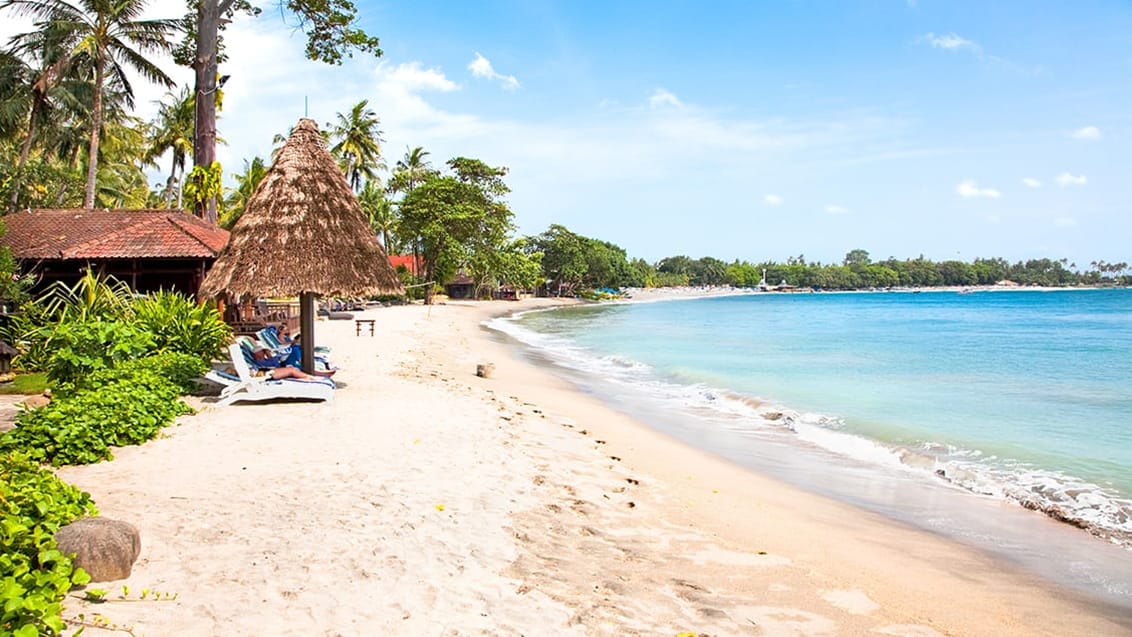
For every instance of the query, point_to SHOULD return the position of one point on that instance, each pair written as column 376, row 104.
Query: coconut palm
column 379, row 212
column 173, row 133
column 358, row 147
column 411, row 171
column 110, row 36
column 238, row 197
column 33, row 67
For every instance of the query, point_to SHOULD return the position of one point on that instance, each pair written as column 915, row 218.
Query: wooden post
column 306, row 328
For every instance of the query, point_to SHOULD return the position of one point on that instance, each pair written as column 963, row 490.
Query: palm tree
column 379, row 212
column 110, row 36
column 411, row 170
column 26, row 88
column 122, row 182
column 254, row 172
column 359, row 144
column 173, row 132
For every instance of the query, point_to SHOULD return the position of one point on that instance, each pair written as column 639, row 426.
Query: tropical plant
column 34, row 575
column 238, row 197
column 378, row 210
column 458, row 220
column 126, row 405
column 32, row 69
column 79, row 348
column 180, row 324
column 411, row 170
column 204, row 184
column 358, row 146
column 173, row 133
column 91, row 297
column 109, row 35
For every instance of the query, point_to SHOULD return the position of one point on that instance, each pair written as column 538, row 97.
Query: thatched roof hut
column 302, row 233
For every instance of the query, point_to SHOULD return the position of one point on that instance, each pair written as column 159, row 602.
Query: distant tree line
column 573, row 263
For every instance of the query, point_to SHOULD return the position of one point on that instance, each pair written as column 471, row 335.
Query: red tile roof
column 406, row 260
column 110, row 234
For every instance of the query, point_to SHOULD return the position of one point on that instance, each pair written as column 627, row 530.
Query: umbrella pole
column 306, row 326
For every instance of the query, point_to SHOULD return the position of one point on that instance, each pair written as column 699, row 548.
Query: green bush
column 91, row 298
column 177, row 368
column 34, row 575
column 180, row 324
column 127, row 405
column 26, row 331
column 81, row 347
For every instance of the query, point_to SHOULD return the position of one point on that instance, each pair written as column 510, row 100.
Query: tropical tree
column 411, row 170
column 459, row 220
column 564, row 261
column 358, row 146
column 379, row 212
column 331, row 33
column 172, row 132
column 32, row 72
column 110, row 36
column 246, row 184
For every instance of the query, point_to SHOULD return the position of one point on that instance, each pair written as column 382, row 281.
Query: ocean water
column 1002, row 419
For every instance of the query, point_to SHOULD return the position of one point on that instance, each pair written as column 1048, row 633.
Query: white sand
column 426, row 501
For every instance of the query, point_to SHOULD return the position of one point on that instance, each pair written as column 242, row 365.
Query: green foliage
column 180, row 324
column 459, row 221
column 34, row 575
column 91, row 297
column 13, row 287
column 24, row 331
column 126, row 405
column 329, row 25
column 178, row 368
column 81, row 347
column 202, row 184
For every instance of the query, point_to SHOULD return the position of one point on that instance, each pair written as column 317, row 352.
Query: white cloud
column 661, row 97
column 1064, row 222
column 772, row 200
column 481, row 67
column 1031, row 182
column 969, row 189
column 1088, row 132
column 1066, row 180
column 951, row 42
column 413, row 78
column 835, row 209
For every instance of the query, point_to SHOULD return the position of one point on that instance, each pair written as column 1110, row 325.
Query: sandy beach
column 424, row 500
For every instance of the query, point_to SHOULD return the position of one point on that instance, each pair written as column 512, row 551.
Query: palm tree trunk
column 96, row 129
column 25, row 152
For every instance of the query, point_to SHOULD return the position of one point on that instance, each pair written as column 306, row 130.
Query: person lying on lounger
column 266, row 360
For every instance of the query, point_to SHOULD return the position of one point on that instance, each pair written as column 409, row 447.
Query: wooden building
column 147, row 249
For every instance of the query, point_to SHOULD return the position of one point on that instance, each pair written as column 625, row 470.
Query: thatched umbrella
column 302, row 234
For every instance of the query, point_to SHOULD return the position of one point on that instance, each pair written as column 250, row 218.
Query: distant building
column 414, row 265
column 147, row 249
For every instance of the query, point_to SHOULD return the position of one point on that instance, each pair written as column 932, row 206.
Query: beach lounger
column 245, row 386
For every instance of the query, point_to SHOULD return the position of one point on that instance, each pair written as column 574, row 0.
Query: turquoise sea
column 1002, row 419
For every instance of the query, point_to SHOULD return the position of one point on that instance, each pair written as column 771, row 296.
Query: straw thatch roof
column 302, row 231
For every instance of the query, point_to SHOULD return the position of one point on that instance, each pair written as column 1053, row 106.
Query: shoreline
column 426, row 500
column 788, row 497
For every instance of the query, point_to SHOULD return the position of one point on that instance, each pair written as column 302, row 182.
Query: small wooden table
column 358, row 323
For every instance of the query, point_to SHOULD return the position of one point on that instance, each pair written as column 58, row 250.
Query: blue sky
column 744, row 130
